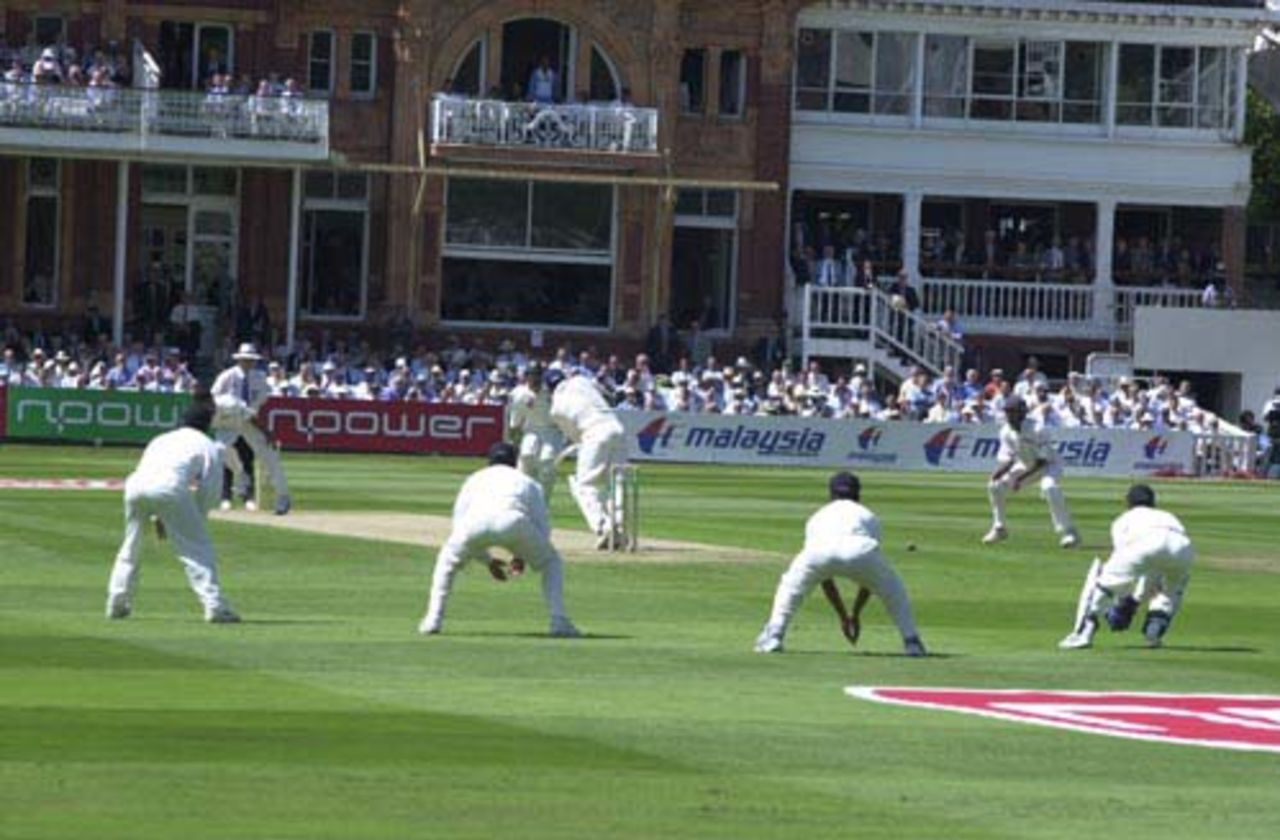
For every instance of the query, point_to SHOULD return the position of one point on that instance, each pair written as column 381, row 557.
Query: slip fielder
column 530, row 426
column 177, row 481
column 1026, row 451
column 499, row 506
column 841, row 540
column 1150, row 551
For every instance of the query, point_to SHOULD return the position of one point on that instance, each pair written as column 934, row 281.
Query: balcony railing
column 591, row 128
column 215, row 125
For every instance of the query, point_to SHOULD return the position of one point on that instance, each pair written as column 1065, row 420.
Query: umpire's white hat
column 247, row 351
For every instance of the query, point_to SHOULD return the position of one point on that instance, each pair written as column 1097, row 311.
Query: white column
column 1240, row 93
column 1104, row 244
column 122, row 241
column 1111, row 89
column 295, row 225
column 917, row 93
column 911, row 202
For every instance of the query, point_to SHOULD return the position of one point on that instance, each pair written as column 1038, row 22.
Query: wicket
column 624, row 507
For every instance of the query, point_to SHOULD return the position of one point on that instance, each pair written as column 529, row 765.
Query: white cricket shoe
column 430, row 627
column 768, row 642
column 998, row 533
column 563, row 628
column 603, row 540
column 1070, row 539
column 118, row 606
column 914, row 647
column 221, row 615
column 1076, row 641
column 250, row 505
column 224, row 505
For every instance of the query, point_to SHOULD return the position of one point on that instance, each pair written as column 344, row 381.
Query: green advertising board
column 92, row 416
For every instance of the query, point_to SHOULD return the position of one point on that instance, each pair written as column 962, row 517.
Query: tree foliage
column 1262, row 133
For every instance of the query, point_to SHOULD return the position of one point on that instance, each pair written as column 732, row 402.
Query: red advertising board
column 364, row 426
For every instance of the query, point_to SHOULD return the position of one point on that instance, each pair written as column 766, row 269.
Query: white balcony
column 55, row 119
column 1049, row 310
column 619, row 129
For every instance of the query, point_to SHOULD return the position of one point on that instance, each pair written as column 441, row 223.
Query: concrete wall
column 1226, row 341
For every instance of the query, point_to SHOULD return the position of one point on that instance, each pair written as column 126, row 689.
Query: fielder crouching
column 177, row 482
column 1150, row 550
column 841, row 540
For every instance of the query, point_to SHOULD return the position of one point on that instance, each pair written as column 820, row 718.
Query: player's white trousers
column 511, row 530
column 537, row 460
column 262, row 450
column 1162, row 557
column 856, row 558
column 601, row 448
column 1050, row 489
column 183, row 522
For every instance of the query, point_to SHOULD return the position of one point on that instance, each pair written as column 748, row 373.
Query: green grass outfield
column 326, row 716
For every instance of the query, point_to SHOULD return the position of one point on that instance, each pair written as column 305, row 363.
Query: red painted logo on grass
column 1227, row 721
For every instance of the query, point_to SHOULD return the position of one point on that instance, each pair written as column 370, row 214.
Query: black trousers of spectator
column 228, row 480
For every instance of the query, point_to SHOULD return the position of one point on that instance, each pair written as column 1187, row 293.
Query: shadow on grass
column 292, row 622
column 872, row 654
column 1197, row 648
column 585, row 637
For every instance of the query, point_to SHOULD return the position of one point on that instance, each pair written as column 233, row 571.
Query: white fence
column 145, row 115
column 588, row 127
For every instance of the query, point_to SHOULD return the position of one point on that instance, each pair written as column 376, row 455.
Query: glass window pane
column 49, row 30
column 333, row 253
column 1177, row 68
column 40, row 276
column 1082, row 85
column 689, row 202
column 164, row 179
column 603, row 86
column 42, row 174
column 213, row 223
column 576, row 217
column 1041, row 70
column 353, row 187
column 722, row 203
column 693, row 81
column 1136, row 85
column 1211, row 88
column 214, row 51
column 515, row 292
column 492, row 214
column 320, row 66
column 318, row 185
column 362, row 46
column 732, row 68
column 993, row 68
column 946, row 74
column 215, row 180
column 813, row 69
column 702, row 277
column 895, row 72
column 466, row 79
column 853, row 71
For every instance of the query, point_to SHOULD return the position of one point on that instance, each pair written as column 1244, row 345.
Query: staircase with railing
column 864, row 324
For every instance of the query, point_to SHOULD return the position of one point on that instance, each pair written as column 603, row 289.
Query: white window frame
column 193, row 204
column 373, row 64
column 333, row 60
column 344, row 205
column 537, row 255
column 872, row 92
column 230, row 58
column 54, row 192
column 1228, row 104
column 705, row 221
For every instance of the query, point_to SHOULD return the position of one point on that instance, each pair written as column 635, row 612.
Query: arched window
column 468, row 75
column 604, row 85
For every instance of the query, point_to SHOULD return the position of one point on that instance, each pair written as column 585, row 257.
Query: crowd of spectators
column 60, row 64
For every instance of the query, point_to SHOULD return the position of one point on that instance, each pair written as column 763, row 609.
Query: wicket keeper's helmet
column 1140, row 495
column 552, row 378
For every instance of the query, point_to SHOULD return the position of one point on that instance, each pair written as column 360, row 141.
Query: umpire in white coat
column 580, row 410
column 176, row 483
column 841, row 540
column 501, row 507
column 238, row 392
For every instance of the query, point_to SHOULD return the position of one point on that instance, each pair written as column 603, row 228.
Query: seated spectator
column 47, row 70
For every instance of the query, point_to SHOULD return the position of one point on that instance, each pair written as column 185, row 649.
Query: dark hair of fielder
column 1140, row 495
column 199, row 415
column 502, row 453
column 844, row 485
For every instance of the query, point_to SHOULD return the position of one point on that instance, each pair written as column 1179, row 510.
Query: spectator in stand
column 47, row 70
column 544, row 81
column 830, row 271
column 949, row 327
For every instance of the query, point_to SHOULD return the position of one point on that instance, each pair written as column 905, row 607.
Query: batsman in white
column 580, row 410
column 238, row 392
column 176, row 483
column 499, row 506
column 1150, row 551
column 1026, row 451
column 529, row 423
column 841, row 540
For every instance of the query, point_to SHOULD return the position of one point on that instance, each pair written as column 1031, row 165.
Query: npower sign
column 362, row 426
column 94, row 416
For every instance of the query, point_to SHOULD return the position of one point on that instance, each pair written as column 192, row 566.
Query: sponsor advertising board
column 91, row 416
column 795, row 441
column 329, row 425
column 363, row 426
column 1225, row 721
column 4, row 410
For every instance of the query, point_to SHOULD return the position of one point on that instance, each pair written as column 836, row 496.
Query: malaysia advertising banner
column 796, row 441
column 363, row 426
column 91, row 416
